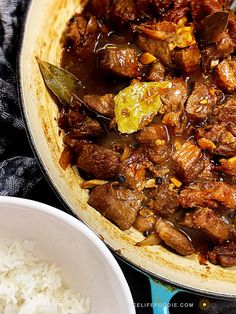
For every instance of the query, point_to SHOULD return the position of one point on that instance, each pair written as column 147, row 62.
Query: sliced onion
column 152, row 239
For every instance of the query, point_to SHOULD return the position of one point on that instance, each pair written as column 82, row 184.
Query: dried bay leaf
column 138, row 104
column 214, row 25
column 61, row 82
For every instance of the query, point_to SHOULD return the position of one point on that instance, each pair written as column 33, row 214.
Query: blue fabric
column 19, row 171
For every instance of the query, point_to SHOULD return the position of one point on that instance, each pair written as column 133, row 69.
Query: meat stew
column 152, row 129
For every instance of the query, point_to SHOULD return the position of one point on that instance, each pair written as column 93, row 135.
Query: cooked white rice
column 29, row 285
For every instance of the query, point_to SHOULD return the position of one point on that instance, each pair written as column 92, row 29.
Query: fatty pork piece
column 201, row 102
column 100, row 163
column 154, row 39
column 208, row 222
column 178, row 11
column 200, row 9
column 145, row 221
column 158, row 48
column 79, row 125
column 232, row 25
column 99, row 8
column 218, row 139
column 123, row 12
column 156, row 72
column 154, row 140
column 226, row 112
column 132, row 172
column 150, row 134
column 167, row 10
column 174, row 46
column 118, row 204
column 225, row 74
column 233, row 230
column 187, row 59
column 209, row 173
column 175, row 97
column 217, row 51
column 149, row 7
column 224, row 255
column 228, row 166
column 174, row 238
column 81, row 34
column 212, row 194
column 165, row 201
column 103, row 105
column 176, row 121
column 188, row 161
column 122, row 62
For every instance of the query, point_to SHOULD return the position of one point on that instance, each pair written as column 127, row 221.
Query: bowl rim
column 77, row 225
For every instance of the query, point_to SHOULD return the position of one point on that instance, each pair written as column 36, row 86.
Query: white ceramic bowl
column 86, row 263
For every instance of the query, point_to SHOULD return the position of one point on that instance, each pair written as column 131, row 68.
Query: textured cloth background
column 19, row 171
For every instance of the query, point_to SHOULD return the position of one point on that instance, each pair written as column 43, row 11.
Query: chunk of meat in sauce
column 174, row 238
column 103, row 105
column 224, row 255
column 145, row 221
column 75, row 145
column 116, row 203
column 99, row 162
column 99, row 8
column 178, row 12
column 123, row 11
column 150, row 134
column 161, row 38
column 156, row 72
column 232, row 26
column 200, row 9
column 121, row 62
column 208, row 222
column 226, row 112
column 201, row 102
column 159, row 153
column 157, row 47
column 233, row 230
column 217, row 51
column 175, row 97
column 221, row 140
column 187, row 59
column 154, row 140
column 212, row 195
column 225, row 74
column 209, row 172
column 224, row 45
column 188, row 161
column 81, row 34
column 176, row 122
column 78, row 125
column 153, row 7
column 228, row 166
column 134, row 170
column 165, row 201
column 158, row 31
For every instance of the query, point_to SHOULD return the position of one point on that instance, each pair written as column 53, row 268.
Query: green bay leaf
column 61, row 82
column 138, row 104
